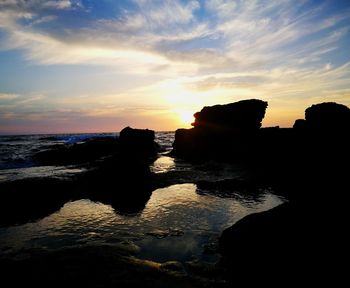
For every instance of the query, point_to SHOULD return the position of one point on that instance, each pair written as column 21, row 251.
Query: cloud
column 170, row 32
column 195, row 52
column 222, row 8
column 61, row 4
column 40, row 4
column 7, row 96
column 168, row 12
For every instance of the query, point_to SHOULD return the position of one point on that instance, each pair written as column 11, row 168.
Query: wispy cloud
column 7, row 96
column 196, row 52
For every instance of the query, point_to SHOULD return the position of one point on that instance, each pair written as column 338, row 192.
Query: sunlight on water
column 163, row 164
column 181, row 207
column 175, row 224
column 166, row 164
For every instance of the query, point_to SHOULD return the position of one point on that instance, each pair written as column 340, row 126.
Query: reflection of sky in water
column 165, row 164
column 183, row 220
column 41, row 171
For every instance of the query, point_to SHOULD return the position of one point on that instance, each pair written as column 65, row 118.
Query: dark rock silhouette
column 124, row 180
column 299, row 124
column 30, row 199
column 138, row 143
column 306, row 165
column 242, row 116
column 91, row 266
column 78, row 153
column 328, row 117
column 221, row 131
column 117, row 173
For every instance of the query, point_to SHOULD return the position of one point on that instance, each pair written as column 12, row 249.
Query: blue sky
column 100, row 65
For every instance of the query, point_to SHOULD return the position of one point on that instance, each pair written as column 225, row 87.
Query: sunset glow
column 83, row 66
column 186, row 117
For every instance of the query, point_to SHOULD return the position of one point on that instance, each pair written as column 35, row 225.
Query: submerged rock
column 174, row 267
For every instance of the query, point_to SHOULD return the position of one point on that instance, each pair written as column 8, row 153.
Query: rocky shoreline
column 305, row 164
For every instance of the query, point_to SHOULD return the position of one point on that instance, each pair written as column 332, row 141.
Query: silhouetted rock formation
column 242, row 116
column 30, row 199
column 92, row 266
column 328, row 117
column 138, row 143
column 299, row 124
column 78, row 153
column 281, row 241
column 221, row 131
column 117, row 173
column 306, row 164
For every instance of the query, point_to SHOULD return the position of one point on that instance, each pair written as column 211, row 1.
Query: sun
column 185, row 116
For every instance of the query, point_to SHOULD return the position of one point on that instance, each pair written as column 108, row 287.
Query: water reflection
column 184, row 220
column 41, row 171
column 163, row 164
column 166, row 164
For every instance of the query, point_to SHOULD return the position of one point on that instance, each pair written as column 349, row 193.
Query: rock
column 242, row 116
column 299, row 124
column 78, row 153
column 328, row 116
column 253, row 232
column 93, row 266
column 221, row 132
column 117, row 173
column 138, row 143
column 133, row 143
column 33, row 198
column 281, row 241
column 175, row 267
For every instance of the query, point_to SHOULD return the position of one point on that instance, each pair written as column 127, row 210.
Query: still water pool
column 178, row 223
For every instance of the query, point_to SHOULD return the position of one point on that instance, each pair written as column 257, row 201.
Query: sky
column 100, row 65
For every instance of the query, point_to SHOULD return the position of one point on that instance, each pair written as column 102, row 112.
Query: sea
column 180, row 222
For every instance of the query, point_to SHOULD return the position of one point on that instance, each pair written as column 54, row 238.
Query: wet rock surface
column 94, row 266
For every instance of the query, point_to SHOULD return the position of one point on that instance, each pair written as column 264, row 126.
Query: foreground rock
column 306, row 164
column 117, row 173
column 221, row 131
column 30, row 199
column 92, row 267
